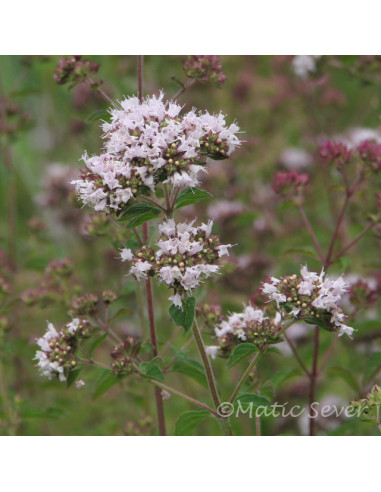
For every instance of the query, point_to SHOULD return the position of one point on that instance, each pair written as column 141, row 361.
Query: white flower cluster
column 184, row 256
column 303, row 65
column 312, row 297
column 56, row 355
column 150, row 142
column 252, row 325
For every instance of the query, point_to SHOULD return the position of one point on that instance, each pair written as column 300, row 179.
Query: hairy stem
column 244, row 376
column 100, row 91
column 328, row 354
column 206, row 363
column 153, row 202
column 158, row 385
column 296, row 355
column 188, row 84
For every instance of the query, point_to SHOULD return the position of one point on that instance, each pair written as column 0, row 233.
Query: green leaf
column 185, row 316
column 151, row 371
column 97, row 115
column 272, row 350
column 267, row 390
column 72, row 377
column 98, row 342
column 301, row 251
column 191, row 195
column 106, row 381
column 122, row 313
column 188, row 421
column 138, row 213
column 372, row 366
column 247, row 399
column 346, row 376
column 283, row 376
column 193, row 369
column 240, row 352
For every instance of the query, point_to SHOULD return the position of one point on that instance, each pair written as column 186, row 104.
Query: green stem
column 206, row 363
column 183, row 395
column 223, row 421
column 244, row 376
column 167, row 201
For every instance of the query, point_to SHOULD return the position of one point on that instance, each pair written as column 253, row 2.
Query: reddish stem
column 149, row 294
column 354, row 241
column 337, row 228
column 311, row 233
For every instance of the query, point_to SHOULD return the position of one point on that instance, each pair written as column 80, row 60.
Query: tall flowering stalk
column 151, row 164
column 149, row 143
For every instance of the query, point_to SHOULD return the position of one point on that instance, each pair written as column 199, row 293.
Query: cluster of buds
column 60, row 268
column 83, row 305
column 368, row 152
column 362, row 293
column 207, row 68
column 58, row 348
column 335, row 153
column 96, row 225
column 123, row 355
column 252, row 326
column 109, row 296
column 185, row 255
column 54, row 285
column 74, row 69
column 147, row 143
column 310, row 297
column 210, row 314
column 290, row 184
column 370, row 406
column 14, row 119
column 366, row 68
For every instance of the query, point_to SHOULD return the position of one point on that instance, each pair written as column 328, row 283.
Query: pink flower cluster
column 184, row 256
column 311, row 297
column 289, row 184
column 369, row 151
column 150, row 142
column 57, row 354
column 207, row 68
column 252, row 326
column 335, row 152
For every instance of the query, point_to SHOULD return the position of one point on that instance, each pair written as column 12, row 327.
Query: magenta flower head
column 336, row 153
column 290, row 184
column 74, row 69
column 370, row 153
column 207, row 68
